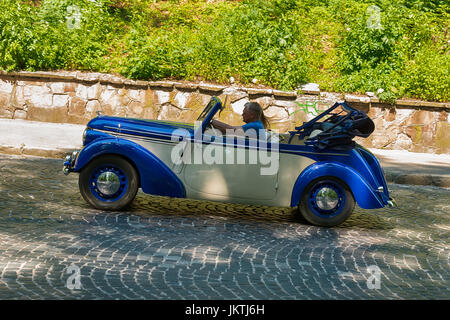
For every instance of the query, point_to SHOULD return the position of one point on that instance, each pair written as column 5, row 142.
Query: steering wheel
column 211, row 127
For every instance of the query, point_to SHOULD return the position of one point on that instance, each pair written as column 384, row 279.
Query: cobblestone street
column 54, row 246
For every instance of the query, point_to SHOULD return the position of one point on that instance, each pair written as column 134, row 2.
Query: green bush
column 282, row 43
column 53, row 35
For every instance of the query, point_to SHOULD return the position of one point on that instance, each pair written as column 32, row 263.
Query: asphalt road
column 54, row 246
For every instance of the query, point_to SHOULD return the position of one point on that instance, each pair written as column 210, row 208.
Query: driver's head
column 252, row 112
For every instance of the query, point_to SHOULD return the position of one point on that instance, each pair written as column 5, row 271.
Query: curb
column 417, row 179
column 37, row 152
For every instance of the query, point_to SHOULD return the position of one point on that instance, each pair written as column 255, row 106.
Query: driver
column 253, row 117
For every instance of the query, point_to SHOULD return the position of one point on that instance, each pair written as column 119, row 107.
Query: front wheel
column 326, row 202
column 108, row 182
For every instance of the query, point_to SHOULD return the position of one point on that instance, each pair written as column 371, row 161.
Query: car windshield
column 207, row 109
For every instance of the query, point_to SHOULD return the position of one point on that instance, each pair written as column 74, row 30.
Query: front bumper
column 69, row 162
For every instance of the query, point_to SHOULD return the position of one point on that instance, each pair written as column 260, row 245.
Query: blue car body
column 303, row 159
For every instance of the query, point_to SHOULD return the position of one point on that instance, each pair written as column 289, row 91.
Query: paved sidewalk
column 44, row 139
column 53, row 140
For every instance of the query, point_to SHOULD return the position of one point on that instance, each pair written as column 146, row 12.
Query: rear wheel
column 327, row 202
column 108, row 182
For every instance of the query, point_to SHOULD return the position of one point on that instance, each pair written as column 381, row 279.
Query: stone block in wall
column 17, row 99
column 60, row 100
column 138, row 84
column 264, row 102
column 163, row 96
column 81, row 91
column 151, row 105
column 238, row 106
column 20, row 114
column 284, row 94
column 275, row 113
column 252, row 92
column 420, row 117
column 47, row 114
column 57, row 87
column 350, row 98
column 233, row 94
column 70, row 87
column 401, row 142
column 4, row 100
column 180, row 99
column 364, row 106
column 331, row 97
column 150, row 112
column 389, row 114
column 42, row 104
column 135, row 109
column 197, row 102
column 124, row 100
column 290, row 105
column 112, row 103
column 281, row 125
column 443, row 116
column 72, row 118
column 94, row 91
column 77, row 106
column 297, row 117
column 186, row 86
column 88, row 76
column 6, row 87
column 136, row 95
column 92, row 107
column 188, row 116
column 402, row 114
column 420, row 127
column 155, row 85
column 5, row 113
column 443, row 137
column 169, row 112
column 110, row 79
column 210, row 88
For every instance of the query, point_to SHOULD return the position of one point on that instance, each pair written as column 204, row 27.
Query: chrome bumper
column 69, row 162
column 391, row 203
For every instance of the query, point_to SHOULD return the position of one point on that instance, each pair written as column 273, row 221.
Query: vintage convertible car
column 316, row 168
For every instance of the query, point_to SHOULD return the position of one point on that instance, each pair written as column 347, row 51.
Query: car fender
column 363, row 193
column 155, row 176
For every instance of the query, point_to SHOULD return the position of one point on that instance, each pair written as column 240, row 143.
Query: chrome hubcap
column 327, row 198
column 108, row 183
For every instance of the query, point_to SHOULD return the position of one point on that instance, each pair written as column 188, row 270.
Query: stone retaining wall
column 75, row 97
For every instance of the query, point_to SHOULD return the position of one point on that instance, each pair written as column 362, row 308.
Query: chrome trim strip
column 136, row 137
column 137, row 131
column 156, row 140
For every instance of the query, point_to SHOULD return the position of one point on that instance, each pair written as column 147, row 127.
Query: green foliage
column 395, row 56
column 427, row 76
column 57, row 34
column 282, row 43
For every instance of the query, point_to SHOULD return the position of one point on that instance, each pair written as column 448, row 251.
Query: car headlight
column 84, row 135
